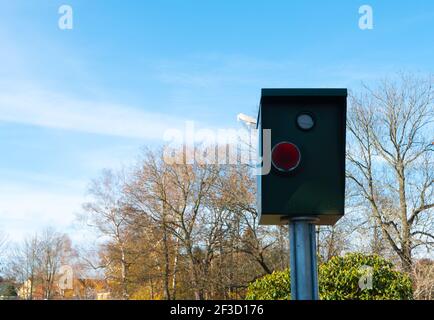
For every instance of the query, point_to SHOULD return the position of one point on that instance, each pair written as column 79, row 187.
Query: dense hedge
column 275, row 286
column 342, row 278
column 339, row 279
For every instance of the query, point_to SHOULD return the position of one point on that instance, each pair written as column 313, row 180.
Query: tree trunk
column 124, row 275
column 406, row 257
column 166, row 264
column 175, row 270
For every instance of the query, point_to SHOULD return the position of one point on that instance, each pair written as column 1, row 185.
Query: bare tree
column 150, row 193
column 53, row 248
column 107, row 214
column 332, row 241
column 3, row 247
column 390, row 161
column 178, row 198
column 23, row 265
column 423, row 275
column 203, row 218
column 35, row 263
column 239, row 191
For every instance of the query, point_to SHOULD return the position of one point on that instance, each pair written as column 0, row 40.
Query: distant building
column 83, row 289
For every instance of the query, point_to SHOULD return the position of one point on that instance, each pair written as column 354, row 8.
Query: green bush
column 7, row 290
column 339, row 280
column 275, row 286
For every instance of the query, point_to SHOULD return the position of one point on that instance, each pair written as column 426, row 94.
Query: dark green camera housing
column 314, row 120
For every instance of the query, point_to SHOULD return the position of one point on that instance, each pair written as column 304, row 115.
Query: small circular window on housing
column 305, row 121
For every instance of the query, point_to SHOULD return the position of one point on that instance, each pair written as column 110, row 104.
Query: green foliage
column 275, row 286
column 7, row 290
column 339, row 280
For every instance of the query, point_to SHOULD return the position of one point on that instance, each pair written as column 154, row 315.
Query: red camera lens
column 285, row 156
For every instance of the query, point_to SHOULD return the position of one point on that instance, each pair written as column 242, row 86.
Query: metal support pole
column 303, row 259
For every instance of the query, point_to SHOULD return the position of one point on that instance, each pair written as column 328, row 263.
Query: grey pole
column 303, row 259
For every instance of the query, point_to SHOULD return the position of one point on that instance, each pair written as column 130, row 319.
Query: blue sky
column 73, row 102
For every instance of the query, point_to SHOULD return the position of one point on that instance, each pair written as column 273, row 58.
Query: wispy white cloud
column 48, row 109
column 247, row 72
column 25, row 209
column 216, row 70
